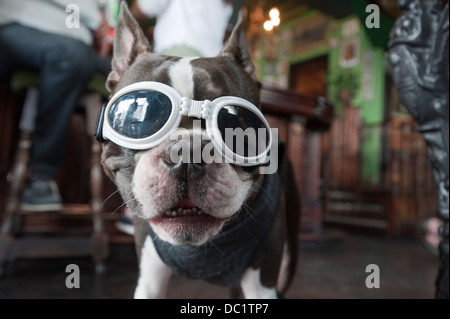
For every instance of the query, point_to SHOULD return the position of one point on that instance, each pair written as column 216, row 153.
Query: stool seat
column 23, row 79
column 28, row 80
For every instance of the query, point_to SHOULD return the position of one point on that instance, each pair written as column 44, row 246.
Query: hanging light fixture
column 268, row 25
column 274, row 15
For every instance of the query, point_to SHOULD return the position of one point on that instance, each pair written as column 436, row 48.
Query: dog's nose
column 184, row 158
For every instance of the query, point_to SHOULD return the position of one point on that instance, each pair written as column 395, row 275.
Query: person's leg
column 65, row 66
column 10, row 61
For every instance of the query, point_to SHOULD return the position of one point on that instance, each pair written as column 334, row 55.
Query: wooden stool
column 50, row 241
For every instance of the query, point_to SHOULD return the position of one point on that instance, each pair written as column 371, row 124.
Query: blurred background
column 360, row 162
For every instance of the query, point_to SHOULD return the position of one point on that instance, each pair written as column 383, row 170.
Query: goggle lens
column 140, row 114
column 243, row 131
column 144, row 114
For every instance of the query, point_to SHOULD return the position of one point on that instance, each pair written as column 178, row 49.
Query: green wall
column 368, row 96
column 363, row 79
column 366, row 82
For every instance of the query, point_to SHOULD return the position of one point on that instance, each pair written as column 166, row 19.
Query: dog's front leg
column 154, row 275
column 252, row 287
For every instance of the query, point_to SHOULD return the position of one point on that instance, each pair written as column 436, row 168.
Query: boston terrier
column 204, row 206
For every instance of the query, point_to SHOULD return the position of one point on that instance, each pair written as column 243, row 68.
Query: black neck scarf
column 224, row 257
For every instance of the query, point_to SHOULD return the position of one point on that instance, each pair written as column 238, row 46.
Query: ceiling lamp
column 274, row 21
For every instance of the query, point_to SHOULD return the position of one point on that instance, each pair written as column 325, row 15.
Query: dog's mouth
column 186, row 212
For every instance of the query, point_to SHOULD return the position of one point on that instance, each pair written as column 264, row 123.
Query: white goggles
column 144, row 114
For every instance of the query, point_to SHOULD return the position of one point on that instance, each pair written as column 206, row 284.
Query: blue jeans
column 65, row 66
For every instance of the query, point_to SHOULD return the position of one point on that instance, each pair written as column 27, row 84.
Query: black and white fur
column 151, row 185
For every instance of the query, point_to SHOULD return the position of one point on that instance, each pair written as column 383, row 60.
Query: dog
column 221, row 222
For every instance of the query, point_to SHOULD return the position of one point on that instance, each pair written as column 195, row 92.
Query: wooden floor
column 334, row 269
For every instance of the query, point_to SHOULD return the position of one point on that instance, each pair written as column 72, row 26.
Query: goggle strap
column 98, row 132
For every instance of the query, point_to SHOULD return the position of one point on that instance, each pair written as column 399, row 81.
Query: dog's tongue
column 186, row 203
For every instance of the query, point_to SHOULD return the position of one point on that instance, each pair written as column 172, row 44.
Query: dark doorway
column 310, row 78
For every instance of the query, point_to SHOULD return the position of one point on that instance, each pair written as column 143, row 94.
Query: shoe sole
column 41, row 208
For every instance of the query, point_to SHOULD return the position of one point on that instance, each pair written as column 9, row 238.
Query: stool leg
column 100, row 238
column 16, row 179
column 100, row 249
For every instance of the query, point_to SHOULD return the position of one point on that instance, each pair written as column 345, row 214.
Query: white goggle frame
column 184, row 106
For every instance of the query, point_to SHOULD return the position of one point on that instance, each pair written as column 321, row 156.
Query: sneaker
column 125, row 222
column 41, row 195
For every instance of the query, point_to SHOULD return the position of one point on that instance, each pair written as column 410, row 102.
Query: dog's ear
column 236, row 48
column 129, row 43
